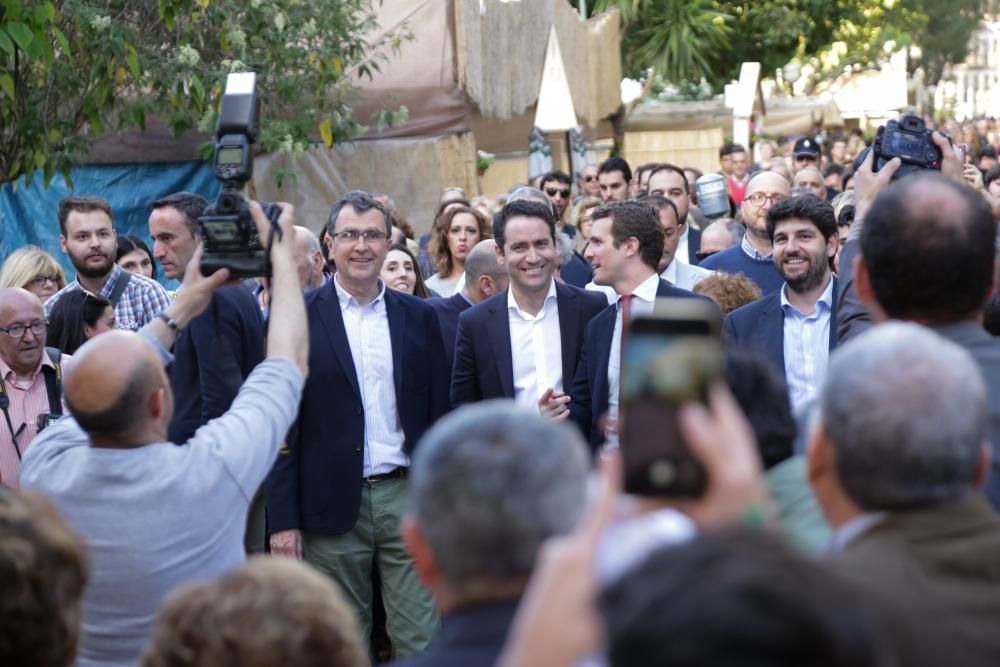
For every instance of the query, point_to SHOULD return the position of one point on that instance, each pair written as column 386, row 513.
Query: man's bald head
column 484, row 275
column 111, row 386
column 308, row 258
column 20, row 307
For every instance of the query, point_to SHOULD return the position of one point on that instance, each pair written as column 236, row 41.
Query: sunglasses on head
column 552, row 192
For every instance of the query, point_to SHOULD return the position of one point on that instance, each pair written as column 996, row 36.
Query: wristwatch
column 169, row 322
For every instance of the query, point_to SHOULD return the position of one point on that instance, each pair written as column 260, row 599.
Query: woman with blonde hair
column 460, row 229
column 33, row 269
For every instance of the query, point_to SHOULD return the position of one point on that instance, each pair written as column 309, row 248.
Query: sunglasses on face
column 589, row 179
column 552, row 192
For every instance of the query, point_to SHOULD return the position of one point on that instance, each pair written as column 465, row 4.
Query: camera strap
column 53, row 380
column 5, row 406
column 120, row 285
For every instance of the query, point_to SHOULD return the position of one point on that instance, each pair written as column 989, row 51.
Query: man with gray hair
column 897, row 462
column 309, row 259
column 483, row 498
column 721, row 234
column 484, row 277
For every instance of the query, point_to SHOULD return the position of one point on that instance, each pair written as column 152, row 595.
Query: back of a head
column 928, row 247
column 737, row 597
column 763, row 396
column 489, row 483
column 729, row 290
column 269, row 613
column 43, row 572
column 906, row 413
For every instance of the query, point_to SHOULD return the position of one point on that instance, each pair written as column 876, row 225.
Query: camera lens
column 226, row 204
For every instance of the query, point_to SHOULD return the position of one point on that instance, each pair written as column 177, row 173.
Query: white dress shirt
column 535, row 348
column 806, row 346
column 643, row 300
column 682, row 246
column 371, row 348
column 685, row 276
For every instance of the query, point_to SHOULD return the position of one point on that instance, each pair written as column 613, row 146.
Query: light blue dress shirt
column 807, row 346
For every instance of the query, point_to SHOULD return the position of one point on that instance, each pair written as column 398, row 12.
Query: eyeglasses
column 552, row 192
column 758, row 198
column 701, row 254
column 39, row 281
column 18, row 330
column 353, row 235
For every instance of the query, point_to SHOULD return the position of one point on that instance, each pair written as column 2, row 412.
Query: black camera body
column 228, row 229
column 909, row 140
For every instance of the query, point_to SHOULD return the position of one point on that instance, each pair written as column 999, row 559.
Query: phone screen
column 666, row 362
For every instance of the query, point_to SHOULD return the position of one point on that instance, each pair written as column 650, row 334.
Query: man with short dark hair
column 669, row 181
column 216, row 352
column 87, row 236
column 897, row 463
column 155, row 515
column 484, row 277
column 923, row 249
column 335, row 495
column 614, row 176
column 526, row 340
column 626, row 245
column 670, row 268
column 739, row 165
column 484, row 497
column 795, row 327
column 557, row 186
column 753, row 256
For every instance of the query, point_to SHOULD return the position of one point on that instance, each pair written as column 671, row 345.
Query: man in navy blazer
column 525, row 340
column 626, row 243
column 377, row 381
column 795, row 327
column 484, row 277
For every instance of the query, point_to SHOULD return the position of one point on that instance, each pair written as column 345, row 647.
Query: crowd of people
column 402, row 448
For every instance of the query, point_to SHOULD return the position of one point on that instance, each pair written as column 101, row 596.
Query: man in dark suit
column 795, row 327
column 897, row 463
column 669, row 182
column 484, row 277
column 377, row 381
column 923, row 249
column 524, row 341
column 215, row 353
column 626, row 244
column 483, row 498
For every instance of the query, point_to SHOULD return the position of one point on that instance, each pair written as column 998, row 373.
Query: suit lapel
column 498, row 328
column 773, row 332
column 332, row 319
column 395, row 311
column 569, row 324
column 607, row 329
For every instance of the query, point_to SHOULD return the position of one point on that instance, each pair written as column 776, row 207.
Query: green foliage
column 74, row 71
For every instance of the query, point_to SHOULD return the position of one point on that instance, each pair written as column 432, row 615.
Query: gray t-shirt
column 160, row 516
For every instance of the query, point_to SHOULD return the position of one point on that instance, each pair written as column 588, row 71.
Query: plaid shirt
column 142, row 300
column 751, row 252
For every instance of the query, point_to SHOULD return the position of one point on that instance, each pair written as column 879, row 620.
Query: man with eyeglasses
column 377, row 380
column 588, row 185
column 752, row 257
column 27, row 376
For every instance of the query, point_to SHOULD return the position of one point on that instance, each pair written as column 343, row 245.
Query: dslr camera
column 228, row 229
column 909, row 140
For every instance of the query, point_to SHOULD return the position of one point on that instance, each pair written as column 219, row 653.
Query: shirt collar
column 752, row 252
column 109, row 283
column 512, row 303
column 825, row 299
column 670, row 273
column 646, row 290
column 852, row 530
column 346, row 298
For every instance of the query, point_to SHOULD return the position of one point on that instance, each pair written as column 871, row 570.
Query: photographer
column 922, row 248
column 154, row 515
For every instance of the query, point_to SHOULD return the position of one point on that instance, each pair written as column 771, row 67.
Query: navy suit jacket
column 694, row 244
column 589, row 391
column 577, row 271
column 315, row 484
column 448, row 309
column 760, row 326
column 213, row 355
column 484, row 367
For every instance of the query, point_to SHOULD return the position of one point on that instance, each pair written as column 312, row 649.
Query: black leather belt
column 396, row 473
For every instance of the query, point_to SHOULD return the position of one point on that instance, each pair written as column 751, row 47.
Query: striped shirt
column 371, row 348
column 142, row 300
column 28, row 399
